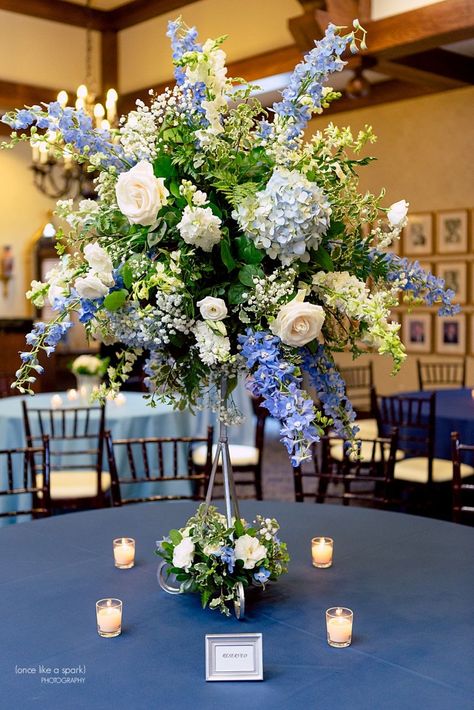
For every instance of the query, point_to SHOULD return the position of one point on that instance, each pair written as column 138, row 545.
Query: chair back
column 441, row 374
column 26, row 472
column 76, row 436
column 462, row 492
column 359, row 381
column 6, row 380
column 165, row 463
column 261, row 414
column 414, row 417
column 352, row 475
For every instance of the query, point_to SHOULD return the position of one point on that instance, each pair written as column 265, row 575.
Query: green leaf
column 238, row 527
column 215, row 210
column 321, row 257
column 247, row 273
column 234, row 295
column 226, row 256
column 175, row 537
column 163, row 167
column 127, row 275
column 115, row 300
column 205, row 596
column 174, row 189
column 247, row 251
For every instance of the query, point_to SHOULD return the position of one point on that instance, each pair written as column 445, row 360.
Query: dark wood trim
column 109, row 60
column 68, row 13
column 141, row 10
column 14, row 95
column 438, row 66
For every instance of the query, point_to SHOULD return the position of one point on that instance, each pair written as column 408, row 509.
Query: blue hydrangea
column 331, row 391
column 275, row 381
column 262, row 575
column 422, row 284
column 288, row 218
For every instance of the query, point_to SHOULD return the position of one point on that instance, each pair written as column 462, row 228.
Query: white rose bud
column 183, row 554
column 297, row 323
column 249, row 550
column 90, row 287
column 212, row 308
column 397, row 213
column 141, row 195
column 97, row 258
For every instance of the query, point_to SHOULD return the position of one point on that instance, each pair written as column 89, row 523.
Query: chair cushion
column 366, row 450
column 239, row 455
column 415, row 470
column 66, row 485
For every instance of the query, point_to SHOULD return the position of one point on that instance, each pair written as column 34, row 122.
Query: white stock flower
column 183, row 554
column 140, row 195
column 97, row 258
column 212, row 308
column 199, row 226
column 90, row 287
column 297, row 323
column 250, row 550
column 213, row 347
column 397, row 213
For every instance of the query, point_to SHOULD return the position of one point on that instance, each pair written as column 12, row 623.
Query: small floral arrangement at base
column 92, row 365
column 209, row 557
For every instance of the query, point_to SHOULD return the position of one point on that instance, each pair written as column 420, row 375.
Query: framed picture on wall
column 452, row 231
column 451, row 335
column 417, row 237
column 454, row 274
column 417, row 332
column 426, row 265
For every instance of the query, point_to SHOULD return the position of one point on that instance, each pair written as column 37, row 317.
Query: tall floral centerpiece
column 223, row 243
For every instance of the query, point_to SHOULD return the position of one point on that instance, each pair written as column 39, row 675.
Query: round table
column 454, row 412
column 408, row 580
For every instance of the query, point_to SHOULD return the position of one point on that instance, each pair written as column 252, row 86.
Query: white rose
column 397, row 213
column 212, row 308
column 297, row 323
column 90, row 287
column 250, row 550
column 97, row 258
column 183, row 554
column 140, row 195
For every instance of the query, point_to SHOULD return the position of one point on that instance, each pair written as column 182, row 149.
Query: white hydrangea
column 200, row 227
column 287, row 218
column 213, row 345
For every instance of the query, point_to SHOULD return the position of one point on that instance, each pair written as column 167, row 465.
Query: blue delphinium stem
column 422, row 284
column 274, row 380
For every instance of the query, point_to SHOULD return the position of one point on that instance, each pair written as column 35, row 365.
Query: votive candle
column 109, row 617
column 72, row 395
column 56, row 401
column 322, row 551
column 124, row 552
column 120, row 399
column 339, row 622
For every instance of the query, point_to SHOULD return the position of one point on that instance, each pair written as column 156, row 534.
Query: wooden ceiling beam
column 14, row 95
column 142, row 10
column 109, row 60
column 67, row 13
column 434, row 65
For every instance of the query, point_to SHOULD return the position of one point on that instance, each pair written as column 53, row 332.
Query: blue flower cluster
column 262, row 575
column 308, row 78
column 331, row 390
column 421, row 283
column 49, row 334
column 274, row 380
column 182, row 40
column 227, row 555
column 74, row 127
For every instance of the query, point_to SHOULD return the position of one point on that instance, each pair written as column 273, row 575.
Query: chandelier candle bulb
column 322, row 551
column 109, row 617
column 124, row 552
column 339, row 626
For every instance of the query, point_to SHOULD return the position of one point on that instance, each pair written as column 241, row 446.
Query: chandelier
column 62, row 176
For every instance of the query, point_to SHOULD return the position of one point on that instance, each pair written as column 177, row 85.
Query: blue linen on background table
column 408, row 580
column 134, row 419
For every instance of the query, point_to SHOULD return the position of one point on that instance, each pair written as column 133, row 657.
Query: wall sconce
column 7, row 263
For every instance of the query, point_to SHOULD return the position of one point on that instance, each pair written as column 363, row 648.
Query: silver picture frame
column 234, row 657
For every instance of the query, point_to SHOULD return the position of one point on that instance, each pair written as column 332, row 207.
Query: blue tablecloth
column 133, row 419
column 409, row 581
column 454, row 412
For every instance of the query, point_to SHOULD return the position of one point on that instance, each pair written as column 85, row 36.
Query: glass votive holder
column 321, row 551
column 109, row 617
column 72, row 395
column 124, row 552
column 56, row 401
column 339, row 626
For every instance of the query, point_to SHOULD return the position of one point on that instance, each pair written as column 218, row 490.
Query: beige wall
column 424, row 154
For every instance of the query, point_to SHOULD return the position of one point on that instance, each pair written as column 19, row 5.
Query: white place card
column 234, row 657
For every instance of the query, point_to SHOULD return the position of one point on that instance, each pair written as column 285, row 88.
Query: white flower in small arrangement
column 141, row 195
column 249, row 550
column 212, row 308
column 90, row 287
column 89, row 365
column 183, row 554
column 97, row 258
